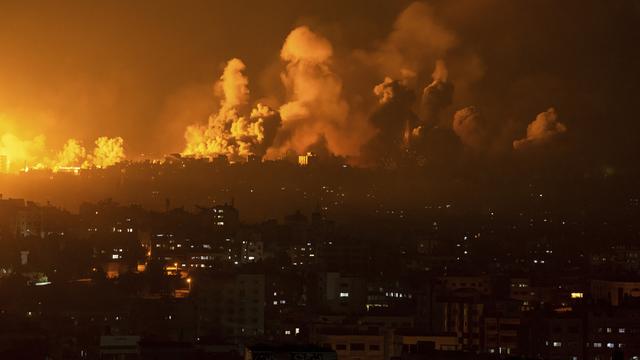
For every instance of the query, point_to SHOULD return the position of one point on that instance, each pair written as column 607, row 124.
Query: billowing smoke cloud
column 470, row 128
column 393, row 119
column 258, row 132
column 417, row 39
column 228, row 132
column 544, row 128
column 315, row 111
column 437, row 95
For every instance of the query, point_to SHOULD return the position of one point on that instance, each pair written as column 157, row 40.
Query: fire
column 229, row 131
column 18, row 154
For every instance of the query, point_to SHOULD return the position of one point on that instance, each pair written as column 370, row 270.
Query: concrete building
column 266, row 352
column 614, row 292
column 356, row 345
column 230, row 305
column 342, row 294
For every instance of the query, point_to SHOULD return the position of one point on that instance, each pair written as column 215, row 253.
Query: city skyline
column 319, row 180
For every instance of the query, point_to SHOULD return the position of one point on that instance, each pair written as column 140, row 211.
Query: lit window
column 597, row 345
column 557, row 344
column 344, row 294
column 610, row 345
column 622, row 330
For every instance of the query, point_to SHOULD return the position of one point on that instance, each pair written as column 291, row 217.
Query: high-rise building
column 230, row 305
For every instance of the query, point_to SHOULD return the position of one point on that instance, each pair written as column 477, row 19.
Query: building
column 251, row 246
column 500, row 335
column 230, row 305
column 481, row 283
column 224, row 216
column 410, row 342
column 554, row 335
column 614, row 292
column 307, row 159
column 119, row 347
column 266, row 352
column 612, row 330
column 342, row 294
column 462, row 315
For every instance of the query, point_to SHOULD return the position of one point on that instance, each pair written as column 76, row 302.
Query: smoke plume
column 437, row 95
column 228, row 132
column 315, row 110
column 544, row 128
column 470, row 128
column 417, row 38
column 393, row 120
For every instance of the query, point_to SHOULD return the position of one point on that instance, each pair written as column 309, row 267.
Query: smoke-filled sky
column 356, row 77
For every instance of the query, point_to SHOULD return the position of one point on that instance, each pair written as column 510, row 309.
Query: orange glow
column 24, row 155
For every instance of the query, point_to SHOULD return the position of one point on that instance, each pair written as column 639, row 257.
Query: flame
column 18, row 154
column 108, row 152
column 229, row 132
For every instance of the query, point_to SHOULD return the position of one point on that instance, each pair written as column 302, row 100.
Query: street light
column 189, row 282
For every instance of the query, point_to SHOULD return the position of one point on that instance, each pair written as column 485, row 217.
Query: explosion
column 72, row 154
column 108, row 152
column 23, row 155
column 228, row 132
column 316, row 110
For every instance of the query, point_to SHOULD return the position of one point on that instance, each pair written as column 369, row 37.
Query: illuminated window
column 344, row 294
column 557, row 344
column 597, row 345
column 577, row 295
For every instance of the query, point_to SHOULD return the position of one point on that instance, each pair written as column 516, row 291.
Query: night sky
column 145, row 71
